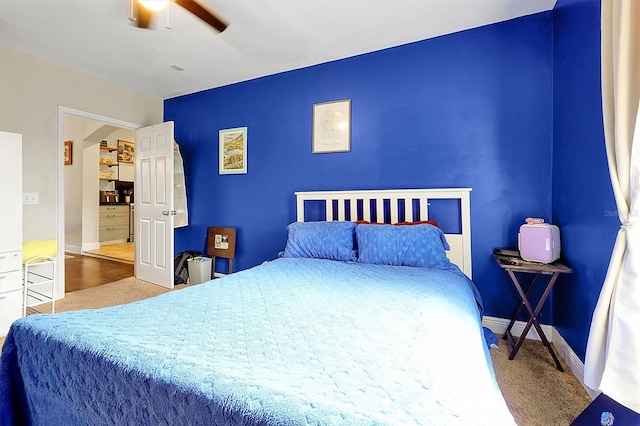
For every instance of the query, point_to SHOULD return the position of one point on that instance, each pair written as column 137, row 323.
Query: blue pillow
column 417, row 245
column 321, row 240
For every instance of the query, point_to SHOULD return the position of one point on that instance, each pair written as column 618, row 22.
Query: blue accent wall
column 583, row 203
column 471, row 109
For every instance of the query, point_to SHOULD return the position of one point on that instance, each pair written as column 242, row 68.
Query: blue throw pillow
column 418, row 245
column 321, row 240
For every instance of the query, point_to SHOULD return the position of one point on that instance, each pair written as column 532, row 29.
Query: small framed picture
column 233, row 151
column 125, row 152
column 331, row 127
column 68, row 153
column 221, row 242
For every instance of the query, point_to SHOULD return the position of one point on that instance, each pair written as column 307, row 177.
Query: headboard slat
column 353, row 211
column 408, row 210
column 341, row 214
column 366, row 210
column 424, row 210
column 394, row 209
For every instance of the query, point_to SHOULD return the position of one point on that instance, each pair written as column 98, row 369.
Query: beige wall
column 31, row 90
column 75, row 130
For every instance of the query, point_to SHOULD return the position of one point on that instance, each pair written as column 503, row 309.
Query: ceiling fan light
column 154, row 5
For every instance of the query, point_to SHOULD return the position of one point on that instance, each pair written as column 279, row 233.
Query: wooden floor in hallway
column 85, row 272
column 123, row 252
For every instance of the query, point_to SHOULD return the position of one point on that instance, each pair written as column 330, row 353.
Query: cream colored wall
column 90, row 200
column 76, row 130
column 31, row 91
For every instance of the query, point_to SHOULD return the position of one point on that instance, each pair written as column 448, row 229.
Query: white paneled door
column 154, row 204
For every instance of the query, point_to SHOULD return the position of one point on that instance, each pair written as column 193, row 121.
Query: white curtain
column 612, row 363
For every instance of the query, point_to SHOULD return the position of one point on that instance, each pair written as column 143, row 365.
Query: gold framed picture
column 125, row 152
column 68, row 153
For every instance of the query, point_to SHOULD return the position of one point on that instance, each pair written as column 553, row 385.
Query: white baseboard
column 72, row 249
column 499, row 326
column 90, row 246
column 575, row 364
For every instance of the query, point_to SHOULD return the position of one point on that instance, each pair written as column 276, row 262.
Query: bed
column 326, row 334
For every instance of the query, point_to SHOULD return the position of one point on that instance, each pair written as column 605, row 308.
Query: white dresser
column 10, row 229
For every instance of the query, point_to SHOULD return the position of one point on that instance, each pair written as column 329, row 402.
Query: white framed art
column 331, row 127
column 233, row 151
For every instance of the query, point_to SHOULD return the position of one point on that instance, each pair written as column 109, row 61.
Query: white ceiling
column 264, row 36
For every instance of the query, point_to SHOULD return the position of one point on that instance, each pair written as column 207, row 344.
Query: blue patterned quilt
column 291, row 342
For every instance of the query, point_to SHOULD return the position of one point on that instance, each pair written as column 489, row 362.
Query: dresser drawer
column 110, row 219
column 10, row 310
column 10, row 281
column 11, row 261
column 114, row 209
column 116, row 232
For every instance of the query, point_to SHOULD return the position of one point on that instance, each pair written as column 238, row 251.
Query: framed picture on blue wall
column 233, row 151
column 331, row 127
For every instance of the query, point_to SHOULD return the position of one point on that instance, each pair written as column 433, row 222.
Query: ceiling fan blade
column 143, row 16
column 202, row 13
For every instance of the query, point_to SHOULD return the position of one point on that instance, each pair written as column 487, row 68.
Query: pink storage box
column 539, row 242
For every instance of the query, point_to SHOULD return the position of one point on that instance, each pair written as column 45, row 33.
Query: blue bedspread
column 291, row 342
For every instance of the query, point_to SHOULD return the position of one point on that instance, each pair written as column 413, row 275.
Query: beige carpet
column 115, row 293
column 537, row 394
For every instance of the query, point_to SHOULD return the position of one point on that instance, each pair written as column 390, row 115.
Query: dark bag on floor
column 181, row 275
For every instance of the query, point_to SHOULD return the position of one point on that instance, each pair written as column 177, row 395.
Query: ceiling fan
column 146, row 9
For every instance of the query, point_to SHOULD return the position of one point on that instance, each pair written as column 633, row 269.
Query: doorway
column 80, row 187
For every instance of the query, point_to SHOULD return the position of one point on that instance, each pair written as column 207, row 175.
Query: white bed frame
column 460, row 252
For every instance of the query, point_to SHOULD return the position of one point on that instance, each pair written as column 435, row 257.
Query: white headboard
column 348, row 202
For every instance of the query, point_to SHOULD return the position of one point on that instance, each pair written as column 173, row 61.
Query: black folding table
column 513, row 265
